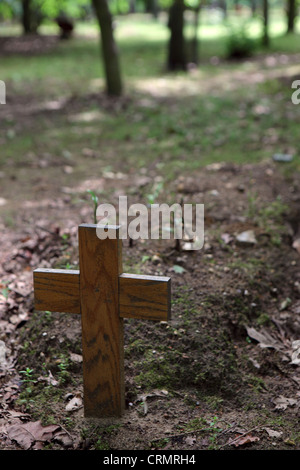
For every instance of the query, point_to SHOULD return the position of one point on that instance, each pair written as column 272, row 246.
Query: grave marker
column 103, row 295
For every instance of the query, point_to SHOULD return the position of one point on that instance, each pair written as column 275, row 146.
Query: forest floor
column 223, row 373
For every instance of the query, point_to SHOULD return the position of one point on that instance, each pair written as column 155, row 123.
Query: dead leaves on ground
column 42, row 248
column 244, row 440
column 280, row 339
column 247, row 438
column 33, row 435
column 46, row 247
column 282, row 403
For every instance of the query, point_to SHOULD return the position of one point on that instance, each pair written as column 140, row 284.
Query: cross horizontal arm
column 57, row 290
column 140, row 296
column 145, row 297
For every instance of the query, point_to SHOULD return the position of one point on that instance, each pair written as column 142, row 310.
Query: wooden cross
column 103, row 295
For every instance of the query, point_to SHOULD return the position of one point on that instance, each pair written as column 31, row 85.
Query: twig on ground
column 239, row 437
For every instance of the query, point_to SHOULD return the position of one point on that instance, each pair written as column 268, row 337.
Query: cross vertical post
column 102, row 328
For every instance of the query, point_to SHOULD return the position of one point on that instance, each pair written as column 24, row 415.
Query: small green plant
column 214, row 402
column 273, row 211
column 101, row 445
column 263, row 319
column 28, row 380
column 156, row 190
column 269, row 217
column 5, row 290
column 215, row 430
column 257, row 384
column 27, row 374
column 160, row 443
column 65, row 238
column 196, row 424
column 252, row 205
column 63, row 366
column 95, row 200
column 69, row 423
column 136, row 347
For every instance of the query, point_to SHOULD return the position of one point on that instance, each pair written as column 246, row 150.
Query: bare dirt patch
column 28, row 45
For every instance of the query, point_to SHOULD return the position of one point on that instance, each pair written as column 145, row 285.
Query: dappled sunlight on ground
column 221, row 79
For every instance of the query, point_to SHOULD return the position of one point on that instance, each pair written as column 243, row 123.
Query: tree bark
column 194, row 41
column 253, row 7
column 26, row 16
column 152, row 7
column 31, row 17
column 132, row 6
column 223, row 6
column 109, row 48
column 177, row 48
column 291, row 15
column 266, row 38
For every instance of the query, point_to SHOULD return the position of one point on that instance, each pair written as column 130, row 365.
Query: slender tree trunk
column 177, row 48
column 155, row 9
column 109, row 48
column 31, row 17
column 194, row 41
column 151, row 6
column 266, row 38
column 291, row 15
column 253, row 7
column 223, row 6
column 26, row 16
column 131, row 6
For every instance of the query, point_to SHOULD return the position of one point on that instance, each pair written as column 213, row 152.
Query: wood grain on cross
column 103, row 295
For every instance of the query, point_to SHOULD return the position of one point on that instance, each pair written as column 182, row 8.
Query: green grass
column 172, row 122
column 142, row 41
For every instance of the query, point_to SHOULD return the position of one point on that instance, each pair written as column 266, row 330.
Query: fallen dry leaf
column 50, row 379
column 227, row 238
column 296, row 245
column 272, row 433
column 243, row 440
column 281, row 403
column 264, row 339
column 74, row 404
column 190, row 441
column 27, row 434
column 295, row 353
column 63, row 438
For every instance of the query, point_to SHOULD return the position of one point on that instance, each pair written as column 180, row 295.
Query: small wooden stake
column 103, row 295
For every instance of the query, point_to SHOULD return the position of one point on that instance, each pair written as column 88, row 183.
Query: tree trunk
column 26, row 16
column 131, row 6
column 31, row 17
column 151, row 6
column 177, row 48
column 266, row 39
column 291, row 15
column 223, row 6
column 109, row 48
column 194, row 41
column 155, row 9
column 253, row 7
